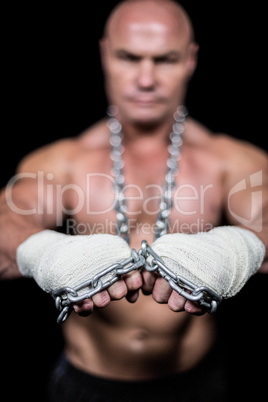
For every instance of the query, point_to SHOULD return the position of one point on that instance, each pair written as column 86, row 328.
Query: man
column 141, row 336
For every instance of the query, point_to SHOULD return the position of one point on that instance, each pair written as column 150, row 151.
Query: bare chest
column 197, row 197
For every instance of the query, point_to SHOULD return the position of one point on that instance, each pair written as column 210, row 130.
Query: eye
column 171, row 58
column 122, row 55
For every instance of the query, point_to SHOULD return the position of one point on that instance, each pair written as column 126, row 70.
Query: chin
column 146, row 114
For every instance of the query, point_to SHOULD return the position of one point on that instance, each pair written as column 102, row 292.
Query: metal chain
column 208, row 299
column 166, row 202
column 119, row 180
column 145, row 258
column 66, row 296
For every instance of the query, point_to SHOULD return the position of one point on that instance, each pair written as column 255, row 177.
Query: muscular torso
column 143, row 339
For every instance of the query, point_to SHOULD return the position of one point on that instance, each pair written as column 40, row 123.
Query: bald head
column 148, row 56
column 158, row 13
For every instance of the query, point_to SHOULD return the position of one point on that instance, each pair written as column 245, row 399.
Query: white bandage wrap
column 222, row 259
column 56, row 260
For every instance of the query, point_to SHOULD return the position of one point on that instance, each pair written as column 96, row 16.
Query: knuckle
column 159, row 298
column 83, row 308
column 161, row 291
column 176, row 302
column 101, row 299
column 133, row 280
column 118, row 290
column 194, row 308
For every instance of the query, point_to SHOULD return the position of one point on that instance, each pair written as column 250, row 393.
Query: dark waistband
column 204, row 371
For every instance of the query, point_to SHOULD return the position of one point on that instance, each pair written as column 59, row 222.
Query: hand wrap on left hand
column 222, row 259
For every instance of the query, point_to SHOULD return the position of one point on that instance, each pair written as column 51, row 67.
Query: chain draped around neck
column 117, row 149
column 146, row 257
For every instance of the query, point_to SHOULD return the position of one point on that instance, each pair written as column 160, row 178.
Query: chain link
column 174, row 149
column 66, row 296
column 145, row 258
column 207, row 298
column 117, row 149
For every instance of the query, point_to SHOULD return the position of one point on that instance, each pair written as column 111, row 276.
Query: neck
column 146, row 139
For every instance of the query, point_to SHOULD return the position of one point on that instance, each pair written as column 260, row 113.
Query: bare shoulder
column 50, row 158
column 95, row 137
column 235, row 155
column 48, row 154
column 57, row 157
column 239, row 155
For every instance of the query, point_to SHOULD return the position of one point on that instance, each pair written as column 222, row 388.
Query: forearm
column 22, row 213
column 259, row 226
column 247, row 208
column 263, row 236
column 14, row 229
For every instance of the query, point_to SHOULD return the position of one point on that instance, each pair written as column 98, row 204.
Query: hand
column 56, row 260
column 128, row 286
column 162, row 293
column 221, row 260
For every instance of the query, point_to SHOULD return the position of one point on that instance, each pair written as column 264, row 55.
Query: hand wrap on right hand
column 57, row 260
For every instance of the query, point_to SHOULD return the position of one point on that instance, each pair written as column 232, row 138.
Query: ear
column 103, row 52
column 192, row 58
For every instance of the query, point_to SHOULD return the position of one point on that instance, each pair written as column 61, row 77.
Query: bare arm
column 246, row 190
column 245, row 197
column 26, row 205
column 31, row 204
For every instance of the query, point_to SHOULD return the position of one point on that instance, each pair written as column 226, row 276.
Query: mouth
column 144, row 100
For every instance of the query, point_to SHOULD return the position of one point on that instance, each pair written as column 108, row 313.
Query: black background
column 52, row 88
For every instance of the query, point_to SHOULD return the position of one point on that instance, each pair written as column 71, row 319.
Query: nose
column 146, row 75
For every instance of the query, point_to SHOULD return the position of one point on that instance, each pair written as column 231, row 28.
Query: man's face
column 147, row 65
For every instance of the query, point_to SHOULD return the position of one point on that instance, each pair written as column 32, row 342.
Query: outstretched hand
column 129, row 285
column 162, row 293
